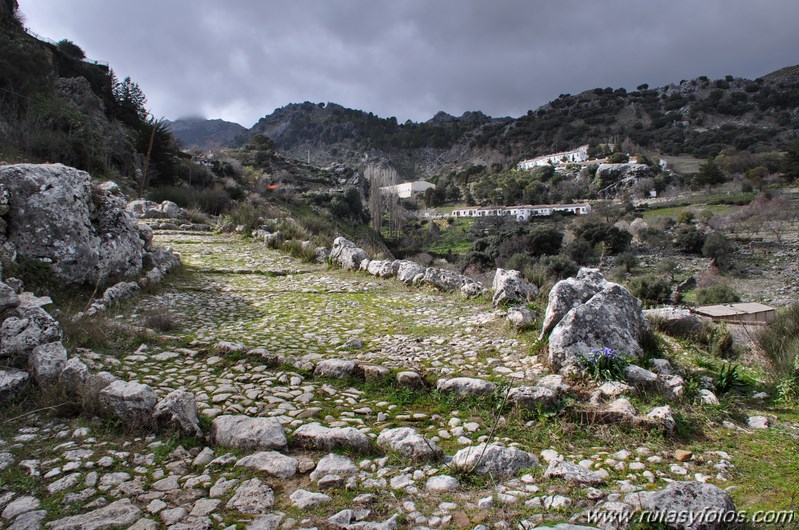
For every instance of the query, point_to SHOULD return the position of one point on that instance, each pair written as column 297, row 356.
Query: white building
column 523, row 213
column 407, row 189
column 566, row 157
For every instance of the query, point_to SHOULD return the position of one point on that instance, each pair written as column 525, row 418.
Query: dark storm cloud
column 410, row 58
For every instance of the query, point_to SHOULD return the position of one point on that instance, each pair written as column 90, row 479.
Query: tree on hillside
column 70, row 49
column 130, row 102
column 709, row 174
column 380, row 177
column 790, row 164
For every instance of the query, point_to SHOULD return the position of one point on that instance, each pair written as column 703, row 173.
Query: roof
column 728, row 310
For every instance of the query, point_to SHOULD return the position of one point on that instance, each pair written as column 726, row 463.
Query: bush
column 717, row 294
column 650, row 289
column 718, row 248
column 689, row 240
column 595, row 232
column 780, row 342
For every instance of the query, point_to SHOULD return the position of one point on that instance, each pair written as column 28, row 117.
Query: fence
column 51, row 42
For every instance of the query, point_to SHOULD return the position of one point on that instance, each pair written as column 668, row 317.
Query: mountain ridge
column 699, row 117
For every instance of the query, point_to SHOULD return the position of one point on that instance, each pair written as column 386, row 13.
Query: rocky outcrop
column 346, row 255
column 568, row 294
column 599, row 315
column 81, row 229
column 511, row 287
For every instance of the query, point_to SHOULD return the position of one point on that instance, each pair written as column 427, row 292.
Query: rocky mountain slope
column 698, row 117
column 205, row 134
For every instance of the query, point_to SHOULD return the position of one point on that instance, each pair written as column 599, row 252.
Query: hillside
column 698, row 117
column 206, row 134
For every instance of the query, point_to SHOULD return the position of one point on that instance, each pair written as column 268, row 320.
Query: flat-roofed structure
column 742, row 313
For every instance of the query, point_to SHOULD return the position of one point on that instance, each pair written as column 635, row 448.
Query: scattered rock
column 441, row 484
column 337, row 369
column 244, row 432
column 271, row 462
column 708, row 504
column 46, row 362
column 304, row 499
column 118, row 514
column 178, row 410
column 521, row 318
column 131, row 402
column 334, row 464
column 19, row 335
column 408, row 443
column 572, row 473
column 494, row 459
column 466, row 386
column 12, row 383
column 532, row 397
column 320, row 437
column 758, row 422
column 252, row 497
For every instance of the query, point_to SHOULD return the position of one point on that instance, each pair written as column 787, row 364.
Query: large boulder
column 129, row 401
column 57, row 215
column 443, row 279
column 625, row 173
column 703, row 506
column 408, row 271
column 408, row 443
column 493, row 459
column 46, row 362
column 32, row 327
column 346, row 255
column 178, row 410
column 568, row 294
column 611, row 318
column 244, row 432
column 510, row 287
column 381, row 268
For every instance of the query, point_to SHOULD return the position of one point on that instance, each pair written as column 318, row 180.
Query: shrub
column 650, row 289
column 718, row 248
column 627, row 260
column 717, row 294
column 780, row 342
column 689, row 240
column 729, row 380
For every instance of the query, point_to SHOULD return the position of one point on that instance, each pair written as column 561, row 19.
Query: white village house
column 407, row 189
column 574, row 156
column 523, row 213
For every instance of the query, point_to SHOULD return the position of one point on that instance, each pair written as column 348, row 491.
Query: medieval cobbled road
column 343, row 366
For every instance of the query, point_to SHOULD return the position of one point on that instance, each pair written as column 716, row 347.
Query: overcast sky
column 239, row 60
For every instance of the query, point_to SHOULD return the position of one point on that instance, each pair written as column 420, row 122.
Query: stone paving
column 251, row 322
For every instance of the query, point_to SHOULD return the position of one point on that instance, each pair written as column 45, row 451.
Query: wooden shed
column 742, row 313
